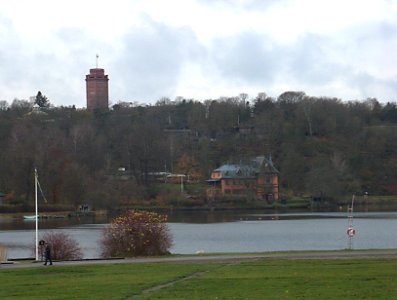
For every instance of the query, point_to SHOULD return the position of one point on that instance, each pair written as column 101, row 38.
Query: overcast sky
column 201, row 49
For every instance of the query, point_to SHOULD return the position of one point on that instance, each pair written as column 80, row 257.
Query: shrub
column 136, row 233
column 62, row 246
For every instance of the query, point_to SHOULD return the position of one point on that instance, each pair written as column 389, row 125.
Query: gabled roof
column 259, row 164
column 236, row 171
column 264, row 165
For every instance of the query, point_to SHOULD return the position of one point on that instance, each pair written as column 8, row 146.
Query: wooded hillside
column 321, row 146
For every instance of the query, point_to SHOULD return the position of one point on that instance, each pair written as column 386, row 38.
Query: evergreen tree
column 41, row 100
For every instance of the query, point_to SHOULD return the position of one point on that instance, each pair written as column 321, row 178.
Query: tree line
column 322, row 146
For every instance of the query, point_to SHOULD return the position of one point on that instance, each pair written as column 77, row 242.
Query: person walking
column 47, row 253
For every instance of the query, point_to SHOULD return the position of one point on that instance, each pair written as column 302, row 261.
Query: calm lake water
column 223, row 232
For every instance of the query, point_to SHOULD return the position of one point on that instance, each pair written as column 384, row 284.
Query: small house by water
column 258, row 178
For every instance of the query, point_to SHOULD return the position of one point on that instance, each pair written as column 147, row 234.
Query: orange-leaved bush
column 136, row 233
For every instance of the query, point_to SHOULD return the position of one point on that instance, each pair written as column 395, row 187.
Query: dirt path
column 165, row 285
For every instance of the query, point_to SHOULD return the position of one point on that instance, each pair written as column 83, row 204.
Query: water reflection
column 17, row 222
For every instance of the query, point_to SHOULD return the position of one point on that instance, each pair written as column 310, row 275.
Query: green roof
column 259, row 164
column 236, row 171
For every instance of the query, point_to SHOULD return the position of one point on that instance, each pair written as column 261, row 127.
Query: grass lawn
column 116, row 281
column 292, row 279
column 261, row 279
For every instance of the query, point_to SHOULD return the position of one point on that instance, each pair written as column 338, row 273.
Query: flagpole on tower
column 97, row 58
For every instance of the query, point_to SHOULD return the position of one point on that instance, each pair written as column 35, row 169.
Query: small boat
column 30, row 217
column 43, row 217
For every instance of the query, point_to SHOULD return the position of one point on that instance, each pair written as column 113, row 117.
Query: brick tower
column 97, row 89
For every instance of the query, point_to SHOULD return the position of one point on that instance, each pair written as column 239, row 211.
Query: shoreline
column 217, row 257
column 304, row 204
column 170, row 210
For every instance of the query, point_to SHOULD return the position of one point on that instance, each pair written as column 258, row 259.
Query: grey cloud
column 10, row 52
column 373, row 31
column 318, row 61
column 247, row 57
column 58, row 74
column 150, row 63
column 248, row 4
column 146, row 63
column 309, row 61
column 371, row 44
column 255, row 58
column 312, row 60
column 370, row 86
column 24, row 69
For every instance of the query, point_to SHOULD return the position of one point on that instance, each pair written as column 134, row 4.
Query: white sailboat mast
column 37, row 215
